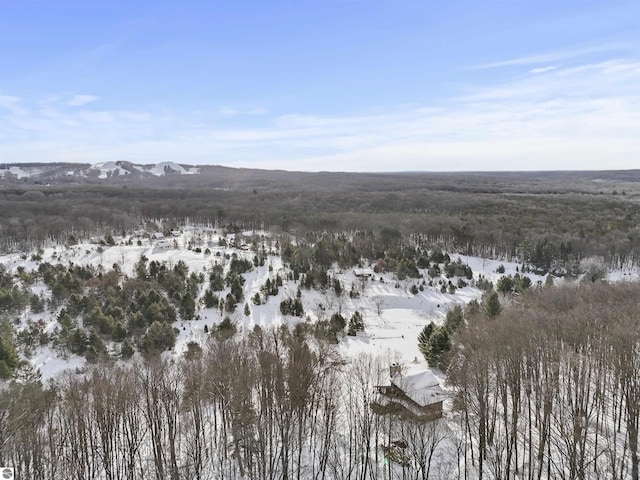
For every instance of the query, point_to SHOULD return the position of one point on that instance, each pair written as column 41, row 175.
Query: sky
column 323, row 85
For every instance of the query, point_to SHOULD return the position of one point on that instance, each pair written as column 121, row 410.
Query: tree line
column 541, row 220
column 549, row 387
column 274, row 404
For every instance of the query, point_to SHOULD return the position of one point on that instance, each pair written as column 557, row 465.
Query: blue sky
column 323, row 84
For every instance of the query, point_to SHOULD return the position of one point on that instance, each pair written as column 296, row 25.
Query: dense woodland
column 550, row 387
column 546, row 388
column 544, row 381
column 566, row 215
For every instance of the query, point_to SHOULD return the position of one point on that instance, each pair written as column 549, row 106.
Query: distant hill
column 106, row 170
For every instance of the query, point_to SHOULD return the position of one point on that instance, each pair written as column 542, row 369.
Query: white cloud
column 13, row 105
column 554, row 56
column 228, row 111
column 580, row 117
column 81, row 100
column 543, row 69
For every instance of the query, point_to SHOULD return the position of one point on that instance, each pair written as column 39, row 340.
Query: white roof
column 423, row 388
column 363, row 271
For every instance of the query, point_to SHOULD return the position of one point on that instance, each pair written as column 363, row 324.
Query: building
column 417, row 396
column 363, row 272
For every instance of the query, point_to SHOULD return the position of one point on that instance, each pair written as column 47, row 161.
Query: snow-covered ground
column 19, row 172
column 115, row 168
column 161, row 169
column 393, row 315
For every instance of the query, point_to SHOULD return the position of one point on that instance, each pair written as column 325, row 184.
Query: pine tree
column 356, row 324
column 439, row 345
column 491, row 305
column 423, row 339
column 127, row 350
column 187, row 306
column 225, row 330
column 8, row 357
column 256, row 299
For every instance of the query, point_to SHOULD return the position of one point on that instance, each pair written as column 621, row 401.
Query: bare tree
column 422, row 439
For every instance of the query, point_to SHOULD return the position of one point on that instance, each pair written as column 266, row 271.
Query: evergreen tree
column 77, row 341
column 337, row 323
column 356, row 324
column 225, row 329
column 256, row 299
column 127, row 350
column 434, row 342
column 8, row 356
column 491, row 306
column 210, row 299
column 119, row 332
column 424, row 337
column 187, row 306
column 193, row 352
column 439, row 345
column 292, row 306
column 161, row 336
column 141, row 268
column 454, row 318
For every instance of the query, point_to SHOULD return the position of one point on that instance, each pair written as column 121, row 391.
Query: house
column 162, row 244
column 158, row 236
column 363, row 272
column 417, row 396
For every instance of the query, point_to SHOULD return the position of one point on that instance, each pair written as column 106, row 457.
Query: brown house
column 416, row 397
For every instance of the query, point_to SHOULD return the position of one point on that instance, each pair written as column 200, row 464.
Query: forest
column 542, row 377
column 546, row 388
column 564, row 215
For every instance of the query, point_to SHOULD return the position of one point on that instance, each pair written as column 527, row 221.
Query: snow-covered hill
column 19, row 172
column 393, row 314
column 109, row 169
column 169, row 168
column 104, row 170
